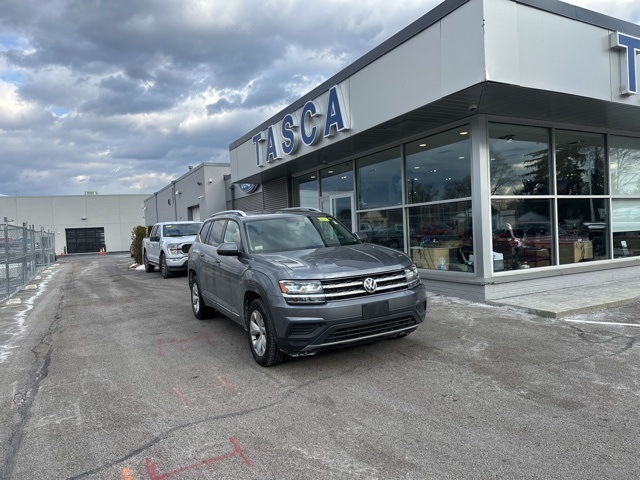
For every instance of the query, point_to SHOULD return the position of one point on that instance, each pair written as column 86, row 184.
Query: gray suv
column 299, row 281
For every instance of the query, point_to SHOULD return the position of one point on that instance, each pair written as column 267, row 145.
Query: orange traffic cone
column 102, row 251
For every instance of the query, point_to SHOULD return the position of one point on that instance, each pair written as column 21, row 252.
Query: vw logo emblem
column 370, row 285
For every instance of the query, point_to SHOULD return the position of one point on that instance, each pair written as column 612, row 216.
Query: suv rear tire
column 261, row 335
column 200, row 310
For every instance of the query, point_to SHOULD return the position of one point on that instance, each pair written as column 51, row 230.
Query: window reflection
column 624, row 161
column 523, row 233
column 306, row 188
column 585, row 220
column 519, row 159
column 379, row 179
column 383, row 227
column 625, row 224
column 337, row 179
column 441, row 236
column 580, row 163
column 439, row 167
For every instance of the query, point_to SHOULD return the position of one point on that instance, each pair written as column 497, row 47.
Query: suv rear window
column 296, row 233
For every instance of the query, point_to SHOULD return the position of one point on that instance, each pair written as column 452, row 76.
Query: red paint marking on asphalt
column 181, row 343
column 227, row 384
column 224, row 383
column 182, row 398
column 237, row 451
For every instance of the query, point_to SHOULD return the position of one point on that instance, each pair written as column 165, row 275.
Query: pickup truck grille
column 353, row 287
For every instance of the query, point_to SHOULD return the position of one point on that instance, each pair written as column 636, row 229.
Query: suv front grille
column 346, row 334
column 353, row 287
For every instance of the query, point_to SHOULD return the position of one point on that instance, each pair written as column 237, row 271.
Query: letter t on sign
column 630, row 47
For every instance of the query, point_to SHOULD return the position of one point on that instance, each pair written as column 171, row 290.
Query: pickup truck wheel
column 200, row 310
column 261, row 336
column 147, row 266
column 163, row 267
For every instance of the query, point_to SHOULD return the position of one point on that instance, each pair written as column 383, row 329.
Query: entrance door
column 342, row 207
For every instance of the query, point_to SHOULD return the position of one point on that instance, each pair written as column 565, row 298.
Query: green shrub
column 137, row 234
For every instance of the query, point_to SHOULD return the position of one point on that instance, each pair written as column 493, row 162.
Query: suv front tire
column 261, row 335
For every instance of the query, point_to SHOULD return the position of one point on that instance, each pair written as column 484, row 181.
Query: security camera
column 473, row 107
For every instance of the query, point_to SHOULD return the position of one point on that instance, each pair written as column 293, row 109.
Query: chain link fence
column 24, row 252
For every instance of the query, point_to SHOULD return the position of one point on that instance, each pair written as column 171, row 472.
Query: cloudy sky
column 120, row 96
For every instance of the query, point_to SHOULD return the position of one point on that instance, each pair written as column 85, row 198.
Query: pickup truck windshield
column 296, row 233
column 181, row 229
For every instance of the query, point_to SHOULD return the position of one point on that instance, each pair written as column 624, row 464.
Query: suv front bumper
column 310, row 328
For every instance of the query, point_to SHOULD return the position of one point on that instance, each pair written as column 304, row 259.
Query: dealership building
column 497, row 142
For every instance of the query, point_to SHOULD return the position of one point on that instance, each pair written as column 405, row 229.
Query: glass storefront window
column 440, row 236
column 439, row 167
column 624, row 165
column 584, row 221
column 519, row 157
column 337, row 179
column 380, row 179
column 383, row 227
column 580, row 163
column 523, row 233
column 625, row 224
column 306, row 190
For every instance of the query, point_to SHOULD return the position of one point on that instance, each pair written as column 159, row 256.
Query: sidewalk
column 572, row 301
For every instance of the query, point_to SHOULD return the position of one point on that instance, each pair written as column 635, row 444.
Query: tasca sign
column 629, row 47
column 307, row 126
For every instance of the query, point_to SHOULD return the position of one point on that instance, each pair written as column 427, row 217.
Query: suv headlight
column 413, row 277
column 302, row 291
column 174, row 248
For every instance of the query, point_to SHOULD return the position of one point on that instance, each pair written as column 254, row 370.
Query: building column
column 481, row 198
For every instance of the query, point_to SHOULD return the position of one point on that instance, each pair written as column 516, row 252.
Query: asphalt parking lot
column 106, row 374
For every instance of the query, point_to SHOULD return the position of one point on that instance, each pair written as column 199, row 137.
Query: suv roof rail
column 240, row 213
column 300, row 209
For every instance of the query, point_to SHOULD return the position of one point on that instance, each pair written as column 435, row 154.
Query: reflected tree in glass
column 624, row 164
column 580, row 160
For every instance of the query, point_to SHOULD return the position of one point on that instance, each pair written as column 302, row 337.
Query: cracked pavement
column 110, row 376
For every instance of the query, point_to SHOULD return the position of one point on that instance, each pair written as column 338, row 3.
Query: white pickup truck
column 163, row 247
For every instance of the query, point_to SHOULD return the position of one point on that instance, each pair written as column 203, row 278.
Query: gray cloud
column 120, row 96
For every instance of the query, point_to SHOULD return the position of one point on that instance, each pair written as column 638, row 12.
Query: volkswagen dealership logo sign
column 248, row 187
column 370, row 285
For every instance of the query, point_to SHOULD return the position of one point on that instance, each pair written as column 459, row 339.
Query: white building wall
column 565, row 56
column 117, row 214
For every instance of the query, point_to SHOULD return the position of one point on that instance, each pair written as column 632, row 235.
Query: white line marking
column 605, row 323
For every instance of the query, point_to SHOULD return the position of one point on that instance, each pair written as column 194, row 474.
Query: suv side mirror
column 155, row 238
column 186, row 247
column 228, row 249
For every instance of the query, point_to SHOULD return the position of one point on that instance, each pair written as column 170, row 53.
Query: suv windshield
column 297, row 232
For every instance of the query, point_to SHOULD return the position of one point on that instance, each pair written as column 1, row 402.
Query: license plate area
column 375, row 309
